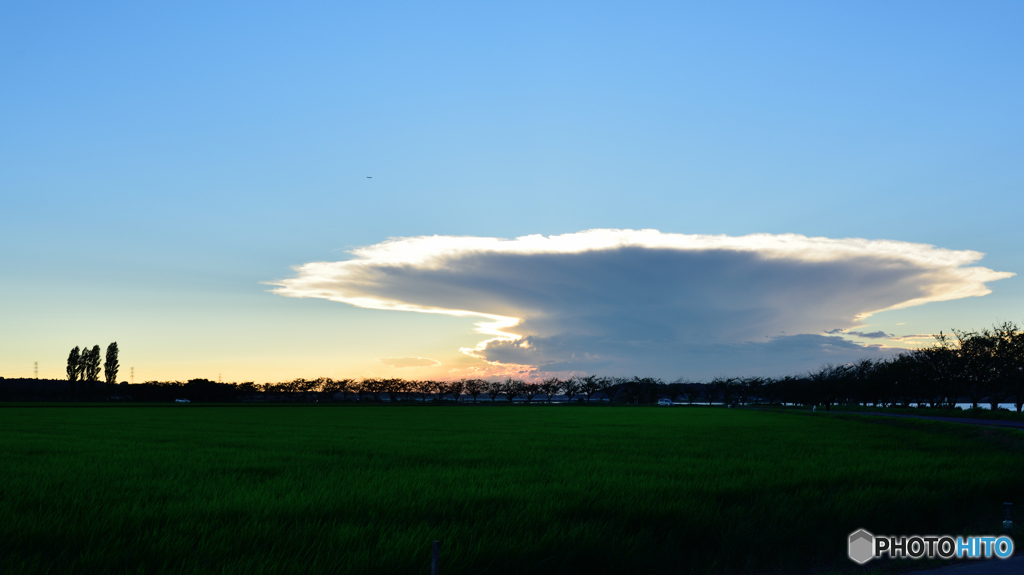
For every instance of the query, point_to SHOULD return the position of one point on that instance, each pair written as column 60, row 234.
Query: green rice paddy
column 506, row 489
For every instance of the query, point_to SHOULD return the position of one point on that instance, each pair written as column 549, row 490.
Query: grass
column 506, row 489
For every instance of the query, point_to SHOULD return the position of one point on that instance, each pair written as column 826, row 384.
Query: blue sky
column 159, row 162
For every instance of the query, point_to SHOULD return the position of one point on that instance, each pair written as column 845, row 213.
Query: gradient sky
column 164, row 165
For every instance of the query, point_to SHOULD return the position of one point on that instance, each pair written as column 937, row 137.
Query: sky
column 260, row 192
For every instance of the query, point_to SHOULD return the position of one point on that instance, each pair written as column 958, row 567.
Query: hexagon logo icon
column 861, row 546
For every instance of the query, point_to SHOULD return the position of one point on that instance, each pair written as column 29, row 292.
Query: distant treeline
column 986, row 366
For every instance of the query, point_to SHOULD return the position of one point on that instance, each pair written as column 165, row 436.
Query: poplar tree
column 80, row 367
column 92, row 366
column 74, row 360
column 110, row 365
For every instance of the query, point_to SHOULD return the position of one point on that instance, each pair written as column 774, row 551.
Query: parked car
column 182, row 401
column 664, row 401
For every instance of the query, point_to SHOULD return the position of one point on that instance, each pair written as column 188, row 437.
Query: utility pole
column 36, row 369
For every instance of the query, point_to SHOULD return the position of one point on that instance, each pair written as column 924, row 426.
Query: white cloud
column 607, row 298
column 408, row 361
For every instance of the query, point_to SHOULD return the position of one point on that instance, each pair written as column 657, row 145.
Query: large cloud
column 621, row 300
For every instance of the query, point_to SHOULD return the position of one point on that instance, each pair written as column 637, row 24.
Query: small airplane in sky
column 369, row 177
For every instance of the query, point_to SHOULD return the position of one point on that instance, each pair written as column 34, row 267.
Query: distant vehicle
column 664, row 401
column 182, row 401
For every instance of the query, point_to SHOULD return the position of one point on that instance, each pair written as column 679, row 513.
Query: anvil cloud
column 627, row 300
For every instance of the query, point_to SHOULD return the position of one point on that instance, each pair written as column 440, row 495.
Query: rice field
column 506, row 489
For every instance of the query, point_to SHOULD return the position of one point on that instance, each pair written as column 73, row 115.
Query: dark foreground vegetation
column 312, row 489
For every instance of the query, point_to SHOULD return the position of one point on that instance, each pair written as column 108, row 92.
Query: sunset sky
column 260, row 192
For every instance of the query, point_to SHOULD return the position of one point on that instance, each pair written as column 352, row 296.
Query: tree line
column 975, row 367
column 985, row 366
column 84, row 366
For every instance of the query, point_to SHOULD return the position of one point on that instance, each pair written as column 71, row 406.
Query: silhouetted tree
column 92, row 366
column 420, row 388
column 644, row 389
column 405, row 388
column 247, row 388
column 512, row 388
column 322, row 386
column 291, row 387
column 925, row 384
column 454, row 388
column 710, row 392
column 373, row 386
column 312, row 387
column 494, row 390
column 391, row 388
column 828, row 383
column 571, row 388
column 793, row 390
column 609, row 386
column 435, row 387
column 973, row 355
column 356, row 389
column 110, row 366
column 860, row 378
column 750, row 389
column 549, row 387
column 530, row 390
column 943, row 360
column 675, row 389
column 74, row 369
column 720, row 387
column 770, row 390
column 1002, row 360
column 1011, row 361
column 474, row 387
column 692, row 392
column 589, row 385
